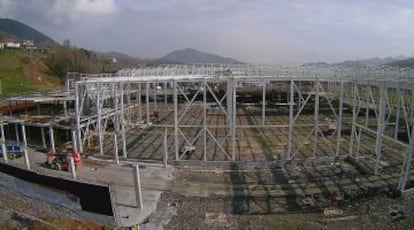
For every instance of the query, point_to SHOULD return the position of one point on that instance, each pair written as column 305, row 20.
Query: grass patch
column 13, row 79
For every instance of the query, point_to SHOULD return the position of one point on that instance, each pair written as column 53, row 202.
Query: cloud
column 70, row 10
column 6, row 8
column 263, row 31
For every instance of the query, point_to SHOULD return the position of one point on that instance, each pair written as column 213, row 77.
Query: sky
column 256, row 31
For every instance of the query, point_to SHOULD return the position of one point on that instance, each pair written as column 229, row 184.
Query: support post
column 3, row 144
column 380, row 128
column 137, row 183
column 368, row 102
column 316, row 119
column 397, row 117
column 16, row 130
column 176, row 144
column 65, row 108
column 233, row 121
column 291, row 98
column 354, row 115
column 99, row 121
column 72, row 167
column 52, row 139
column 25, row 152
column 339, row 121
column 147, row 95
column 129, row 105
column 78, row 112
column 116, row 156
column 165, row 93
column 71, row 160
column 405, row 171
column 139, row 102
column 264, row 103
column 155, row 99
column 124, row 148
column 116, row 130
column 165, row 144
column 205, row 120
column 42, row 133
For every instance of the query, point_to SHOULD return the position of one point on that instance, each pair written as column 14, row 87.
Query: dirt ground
column 19, row 212
column 216, row 213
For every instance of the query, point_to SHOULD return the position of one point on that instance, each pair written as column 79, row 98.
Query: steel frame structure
column 112, row 105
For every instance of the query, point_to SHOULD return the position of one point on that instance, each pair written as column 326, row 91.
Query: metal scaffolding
column 333, row 111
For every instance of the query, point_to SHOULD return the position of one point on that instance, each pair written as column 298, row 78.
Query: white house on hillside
column 10, row 43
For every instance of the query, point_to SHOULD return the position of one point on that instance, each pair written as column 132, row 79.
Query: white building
column 10, row 43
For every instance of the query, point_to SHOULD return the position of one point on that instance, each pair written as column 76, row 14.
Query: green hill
column 24, row 72
column 15, row 29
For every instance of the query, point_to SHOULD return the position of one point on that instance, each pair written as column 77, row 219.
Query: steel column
column 316, row 119
column 123, row 130
column 78, row 111
column 339, row 121
column 264, row 103
column 3, row 144
column 354, row 114
column 137, row 185
column 405, row 171
column 397, row 117
column 205, row 120
column 380, row 128
column 52, row 139
column 99, row 121
column 291, row 98
column 25, row 152
column 147, row 100
column 175, row 98
column 165, row 144
column 233, row 120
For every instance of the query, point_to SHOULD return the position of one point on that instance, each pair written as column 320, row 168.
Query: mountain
column 409, row 62
column 370, row 62
column 13, row 29
column 191, row 56
column 359, row 63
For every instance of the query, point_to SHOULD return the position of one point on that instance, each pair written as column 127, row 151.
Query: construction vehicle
column 60, row 161
column 13, row 151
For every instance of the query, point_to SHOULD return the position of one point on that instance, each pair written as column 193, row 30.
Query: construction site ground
column 261, row 190
column 238, row 196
